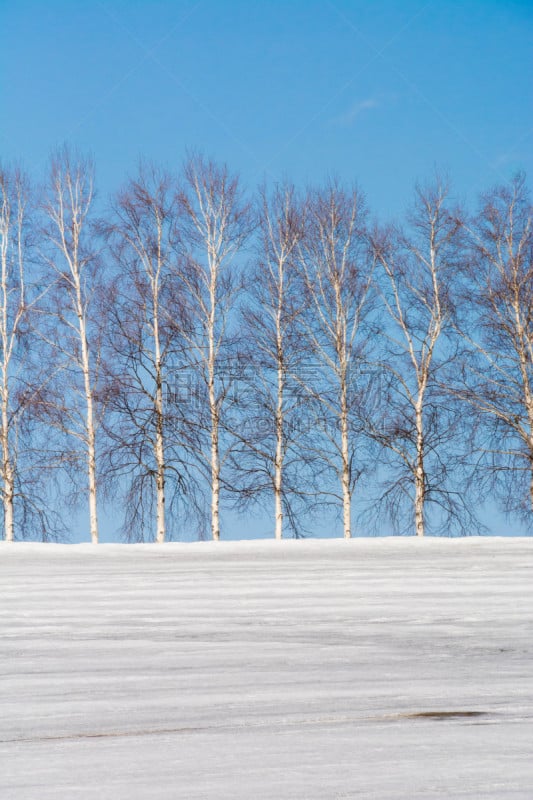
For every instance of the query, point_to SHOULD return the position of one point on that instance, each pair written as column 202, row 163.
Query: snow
column 279, row 670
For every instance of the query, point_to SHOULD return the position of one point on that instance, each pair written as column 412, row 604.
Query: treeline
column 188, row 345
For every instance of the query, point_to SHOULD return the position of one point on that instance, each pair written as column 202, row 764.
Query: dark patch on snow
column 444, row 714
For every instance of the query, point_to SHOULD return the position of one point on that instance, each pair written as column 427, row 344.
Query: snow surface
column 253, row 670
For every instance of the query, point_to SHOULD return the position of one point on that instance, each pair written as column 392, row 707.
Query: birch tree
column 16, row 300
column 268, row 460
column 336, row 265
column 71, row 333
column 144, row 426
column 14, row 200
column 214, row 223
column 498, row 377
column 419, row 265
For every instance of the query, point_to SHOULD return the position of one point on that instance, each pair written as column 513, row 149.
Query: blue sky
column 375, row 92
column 378, row 92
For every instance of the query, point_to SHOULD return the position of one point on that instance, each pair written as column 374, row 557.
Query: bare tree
column 267, row 457
column 420, row 423
column 336, row 265
column 16, row 300
column 144, row 425
column 72, row 335
column 214, row 224
column 14, row 201
column 498, row 377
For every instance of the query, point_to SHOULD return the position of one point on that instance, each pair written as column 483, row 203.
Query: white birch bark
column 420, row 472
column 417, row 309
column 278, row 458
column 214, row 267
column 343, row 357
column 273, row 349
column 525, row 360
column 279, row 418
column 159, row 445
column 89, row 402
column 6, row 337
column 67, row 207
column 337, row 272
column 12, row 305
column 500, row 384
column 345, row 457
column 213, row 228
column 142, row 234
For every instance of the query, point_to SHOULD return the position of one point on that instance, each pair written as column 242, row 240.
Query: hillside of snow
column 305, row 670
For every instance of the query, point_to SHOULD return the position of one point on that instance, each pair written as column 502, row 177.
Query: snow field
column 316, row 670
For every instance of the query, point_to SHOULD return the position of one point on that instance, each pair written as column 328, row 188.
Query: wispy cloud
column 355, row 111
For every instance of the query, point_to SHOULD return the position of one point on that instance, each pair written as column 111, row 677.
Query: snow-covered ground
column 386, row 668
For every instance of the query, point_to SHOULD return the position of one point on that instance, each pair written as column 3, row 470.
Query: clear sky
column 379, row 92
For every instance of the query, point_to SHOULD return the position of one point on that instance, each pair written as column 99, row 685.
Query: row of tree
column 185, row 343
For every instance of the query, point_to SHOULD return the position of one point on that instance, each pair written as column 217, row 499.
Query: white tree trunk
column 159, row 433
column 420, row 476
column 8, row 511
column 6, row 336
column 214, row 413
column 278, row 458
column 68, row 205
column 215, row 478
column 8, row 488
column 218, row 222
column 91, row 450
column 160, row 477
column 345, row 458
column 278, row 462
column 525, row 354
column 91, row 433
column 531, row 466
column 90, row 430
column 337, row 282
column 160, row 488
